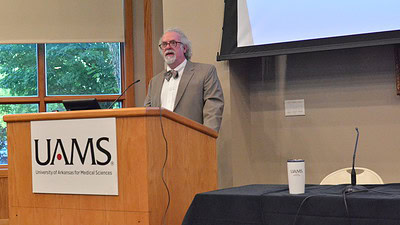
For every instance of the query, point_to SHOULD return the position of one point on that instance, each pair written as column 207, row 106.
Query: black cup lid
column 295, row 160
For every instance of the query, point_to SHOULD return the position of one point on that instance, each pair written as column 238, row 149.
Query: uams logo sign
column 74, row 156
column 296, row 172
column 58, row 151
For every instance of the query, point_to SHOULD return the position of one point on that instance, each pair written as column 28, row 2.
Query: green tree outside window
column 71, row 69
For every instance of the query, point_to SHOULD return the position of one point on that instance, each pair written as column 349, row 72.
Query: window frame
column 42, row 99
column 127, row 73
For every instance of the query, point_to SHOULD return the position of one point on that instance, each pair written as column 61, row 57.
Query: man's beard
column 169, row 59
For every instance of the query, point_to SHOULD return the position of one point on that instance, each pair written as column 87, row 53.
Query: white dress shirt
column 170, row 88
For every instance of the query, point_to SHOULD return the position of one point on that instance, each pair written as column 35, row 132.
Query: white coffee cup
column 296, row 176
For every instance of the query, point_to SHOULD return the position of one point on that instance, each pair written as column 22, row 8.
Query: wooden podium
column 191, row 168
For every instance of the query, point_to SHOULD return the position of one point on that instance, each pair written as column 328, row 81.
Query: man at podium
column 190, row 89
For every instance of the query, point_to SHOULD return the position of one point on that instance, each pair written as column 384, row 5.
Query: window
column 83, row 69
column 18, row 70
column 37, row 77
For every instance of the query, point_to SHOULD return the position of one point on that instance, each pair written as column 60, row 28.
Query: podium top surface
column 102, row 113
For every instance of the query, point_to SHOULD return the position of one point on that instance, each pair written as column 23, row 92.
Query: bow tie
column 171, row 73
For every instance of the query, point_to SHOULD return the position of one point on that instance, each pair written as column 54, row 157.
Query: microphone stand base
column 354, row 188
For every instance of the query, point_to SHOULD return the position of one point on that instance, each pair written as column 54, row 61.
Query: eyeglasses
column 172, row 43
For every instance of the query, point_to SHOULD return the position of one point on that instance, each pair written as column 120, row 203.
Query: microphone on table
column 112, row 104
column 353, row 170
column 353, row 187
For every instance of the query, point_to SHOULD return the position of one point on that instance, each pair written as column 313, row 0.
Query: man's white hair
column 185, row 41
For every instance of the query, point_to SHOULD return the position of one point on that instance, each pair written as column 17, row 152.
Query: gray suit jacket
column 199, row 95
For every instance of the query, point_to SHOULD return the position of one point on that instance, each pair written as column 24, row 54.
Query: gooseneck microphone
column 353, row 187
column 353, row 170
column 112, row 104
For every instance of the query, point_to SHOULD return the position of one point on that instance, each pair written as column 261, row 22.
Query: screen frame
column 229, row 49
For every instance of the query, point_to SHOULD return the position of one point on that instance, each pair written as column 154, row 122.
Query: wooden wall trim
column 148, row 41
column 128, row 55
column 397, row 67
column 3, row 172
column 4, row 210
column 41, row 76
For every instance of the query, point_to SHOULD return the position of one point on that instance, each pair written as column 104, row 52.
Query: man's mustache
column 169, row 51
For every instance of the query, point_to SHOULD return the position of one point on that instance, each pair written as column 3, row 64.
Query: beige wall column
column 156, row 22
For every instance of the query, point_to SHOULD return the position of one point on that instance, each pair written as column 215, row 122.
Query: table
column 272, row 205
